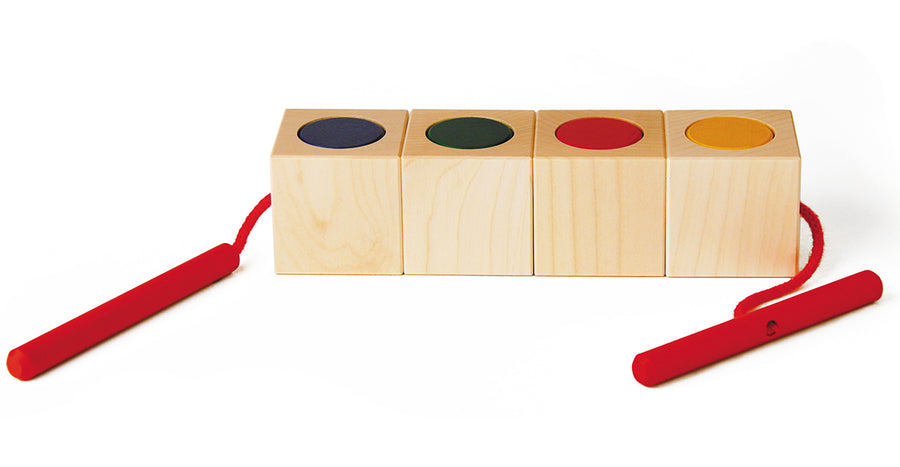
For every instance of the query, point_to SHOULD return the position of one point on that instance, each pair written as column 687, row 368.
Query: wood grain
column 337, row 216
column 599, row 216
column 732, row 212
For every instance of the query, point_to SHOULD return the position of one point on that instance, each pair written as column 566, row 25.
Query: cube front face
column 336, row 195
column 468, row 211
column 732, row 209
column 599, row 210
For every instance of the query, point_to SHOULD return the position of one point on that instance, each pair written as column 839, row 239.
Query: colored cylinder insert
column 756, row 328
column 599, row 133
column 730, row 132
column 73, row 337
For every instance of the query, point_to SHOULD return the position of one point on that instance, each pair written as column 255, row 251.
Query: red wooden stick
column 60, row 344
column 83, row 332
column 756, row 328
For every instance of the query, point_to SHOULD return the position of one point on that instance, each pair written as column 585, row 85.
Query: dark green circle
column 469, row 133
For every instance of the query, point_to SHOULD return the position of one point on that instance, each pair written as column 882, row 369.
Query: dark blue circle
column 340, row 132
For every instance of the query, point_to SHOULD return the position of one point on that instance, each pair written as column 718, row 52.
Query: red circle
column 599, row 133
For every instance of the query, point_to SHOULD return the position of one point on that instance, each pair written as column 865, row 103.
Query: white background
column 135, row 136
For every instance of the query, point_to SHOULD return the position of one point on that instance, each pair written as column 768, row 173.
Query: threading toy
column 682, row 193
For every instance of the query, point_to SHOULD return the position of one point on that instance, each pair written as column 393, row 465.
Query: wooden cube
column 336, row 192
column 733, row 198
column 467, row 209
column 599, row 193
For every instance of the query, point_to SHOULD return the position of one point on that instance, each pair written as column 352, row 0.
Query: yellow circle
column 730, row 133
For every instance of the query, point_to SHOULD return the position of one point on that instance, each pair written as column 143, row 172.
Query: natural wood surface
column 599, row 216
column 468, row 211
column 599, row 212
column 337, row 211
column 732, row 212
column 467, row 216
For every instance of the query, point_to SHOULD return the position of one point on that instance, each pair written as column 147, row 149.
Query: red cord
column 241, row 240
column 815, row 257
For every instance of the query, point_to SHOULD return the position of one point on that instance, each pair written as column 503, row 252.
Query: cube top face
column 620, row 133
column 731, row 133
column 332, row 132
column 470, row 133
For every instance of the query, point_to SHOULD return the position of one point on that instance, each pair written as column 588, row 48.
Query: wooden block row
column 575, row 193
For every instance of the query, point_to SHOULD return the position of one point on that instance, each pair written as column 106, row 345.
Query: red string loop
column 815, row 257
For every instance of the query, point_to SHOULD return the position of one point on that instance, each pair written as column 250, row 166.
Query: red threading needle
column 757, row 328
column 752, row 329
column 83, row 332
